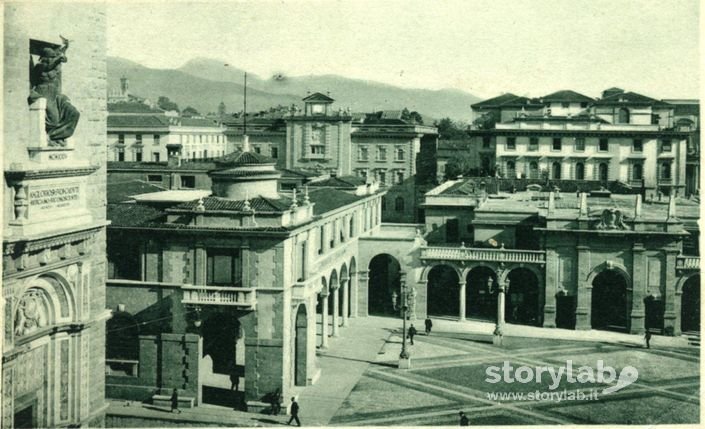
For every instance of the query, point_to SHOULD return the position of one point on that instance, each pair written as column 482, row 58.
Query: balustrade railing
column 479, row 254
column 688, row 262
column 219, row 295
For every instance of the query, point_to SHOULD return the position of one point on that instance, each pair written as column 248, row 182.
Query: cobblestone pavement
column 449, row 371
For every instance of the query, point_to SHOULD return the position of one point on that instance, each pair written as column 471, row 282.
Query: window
column 580, row 171
column 565, row 105
column 363, row 154
column 301, row 266
column 399, row 204
column 583, row 104
column 138, row 155
column 637, row 172
column 223, row 267
column 121, row 138
column 485, row 142
column 511, row 143
column 623, row 116
column 332, row 235
column 381, row 153
column 156, row 138
column 205, row 153
column 666, row 145
column 318, row 150
column 556, row 167
column 603, row 171
column 557, row 144
column 155, row 156
column 275, row 152
column 321, row 239
column 154, row 178
column 138, row 138
column 352, row 226
column 188, row 182
column 637, row 145
column 382, row 176
column 400, row 154
column 533, row 144
column 603, row 145
column 533, row 170
column 258, row 149
column 666, row 171
column 120, row 154
column 400, row 177
column 579, row 144
column 363, row 174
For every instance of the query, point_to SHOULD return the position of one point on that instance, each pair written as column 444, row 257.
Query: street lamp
column 404, row 357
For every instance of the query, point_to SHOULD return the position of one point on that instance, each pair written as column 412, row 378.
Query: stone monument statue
column 45, row 81
column 30, row 314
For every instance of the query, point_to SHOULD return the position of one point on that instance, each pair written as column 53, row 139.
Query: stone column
column 345, row 284
column 498, row 335
column 462, row 300
column 324, row 321
column 336, row 312
column 550, row 289
column 583, row 312
column 363, row 284
column 639, row 285
column 671, row 318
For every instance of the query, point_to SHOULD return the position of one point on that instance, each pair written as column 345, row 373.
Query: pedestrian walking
column 175, row 402
column 647, row 337
column 294, row 412
column 429, row 325
column 412, row 332
column 464, row 419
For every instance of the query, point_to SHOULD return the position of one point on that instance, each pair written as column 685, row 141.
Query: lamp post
column 498, row 334
column 404, row 357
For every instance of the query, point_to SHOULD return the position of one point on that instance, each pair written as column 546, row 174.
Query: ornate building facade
column 53, row 296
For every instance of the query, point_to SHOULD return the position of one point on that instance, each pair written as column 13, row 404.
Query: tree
column 413, row 117
column 449, row 130
column 190, row 111
column 486, row 121
column 462, row 164
column 165, row 104
column 221, row 109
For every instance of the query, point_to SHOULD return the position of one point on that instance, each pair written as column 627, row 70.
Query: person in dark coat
column 412, row 332
column 294, row 412
column 464, row 419
column 647, row 337
column 429, row 325
column 175, row 401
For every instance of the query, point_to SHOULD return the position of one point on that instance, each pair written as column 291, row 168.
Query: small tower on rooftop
column 317, row 104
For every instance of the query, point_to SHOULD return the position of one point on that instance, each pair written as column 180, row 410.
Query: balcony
column 219, row 295
column 485, row 255
column 688, row 263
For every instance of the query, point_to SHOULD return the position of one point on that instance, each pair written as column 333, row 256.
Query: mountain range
column 203, row 83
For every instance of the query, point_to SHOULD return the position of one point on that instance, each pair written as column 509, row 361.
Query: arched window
column 637, row 172
column 623, row 116
column 580, row 171
column 399, row 204
column 556, row 167
column 534, row 170
column 602, row 171
column 666, row 170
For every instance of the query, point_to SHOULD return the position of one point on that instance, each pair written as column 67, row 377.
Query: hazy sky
column 484, row 47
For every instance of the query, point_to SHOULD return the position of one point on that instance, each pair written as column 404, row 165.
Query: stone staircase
column 693, row 338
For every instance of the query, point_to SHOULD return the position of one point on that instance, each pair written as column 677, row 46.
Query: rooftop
column 121, row 191
column 630, row 98
column 138, row 121
column 338, row 182
column 567, row 96
column 161, row 166
column 172, row 196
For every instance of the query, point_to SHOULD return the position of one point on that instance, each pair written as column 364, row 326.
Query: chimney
column 583, row 210
column 551, row 203
column 245, row 143
column 671, row 206
column 637, row 207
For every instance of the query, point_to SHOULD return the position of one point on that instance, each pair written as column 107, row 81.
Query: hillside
column 203, row 83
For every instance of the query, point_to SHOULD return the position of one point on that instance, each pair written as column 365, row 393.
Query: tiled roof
column 259, row 204
column 120, row 191
column 330, row 199
column 295, row 172
column 317, row 96
column 162, row 166
column 138, row 121
column 495, row 101
column 130, row 214
column 567, row 96
column 338, row 182
column 243, row 158
column 629, row 98
column 194, row 122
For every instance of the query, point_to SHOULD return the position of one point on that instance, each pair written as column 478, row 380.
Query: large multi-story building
column 53, row 269
column 381, row 146
column 218, row 295
column 622, row 136
column 137, row 132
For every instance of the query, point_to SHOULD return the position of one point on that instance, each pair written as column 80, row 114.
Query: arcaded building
column 53, row 274
column 219, row 296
